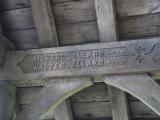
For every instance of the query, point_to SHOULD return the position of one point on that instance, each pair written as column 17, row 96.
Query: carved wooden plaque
column 83, row 60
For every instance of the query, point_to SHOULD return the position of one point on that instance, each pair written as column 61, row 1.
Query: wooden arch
column 56, row 91
column 53, row 94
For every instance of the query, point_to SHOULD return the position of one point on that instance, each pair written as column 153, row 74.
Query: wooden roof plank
column 44, row 22
column 139, row 7
column 85, row 32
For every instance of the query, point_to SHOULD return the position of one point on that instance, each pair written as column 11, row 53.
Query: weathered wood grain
column 118, row 99
column 74, row 12
column 18, row 4
column 89, row 96
column 9, row 46
column 140, row 110
column 17, row 19
column 27, row 94
column 23, row 39
column 64, row 111
column 14, row 4
column 22, row 18
column 139, row 7
column 7, row 100
column 130, row 27
column 96, row 93
column 119, row 104
column 139, row 26
column 106, row 19
column 107, row 25
column 79, row 33
column 68, row 35
column 92, row 110
column 136, row 7
column 7, row 90
column 112, row 58
column 142, row 84
column 97, row 110
column 50, row 95
column 5, row 45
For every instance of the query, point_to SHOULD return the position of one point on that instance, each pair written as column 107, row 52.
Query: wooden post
column 7, row 100
column 119, row 104
column 108, row 33
column 44, row 22
column 64, row 111
column 7, row 90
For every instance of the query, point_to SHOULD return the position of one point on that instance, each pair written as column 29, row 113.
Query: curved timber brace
column 142, row 86
column 54, row 93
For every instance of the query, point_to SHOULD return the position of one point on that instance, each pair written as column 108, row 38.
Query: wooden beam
column 51, row 96
column 106, row 20
column 138, row 85
column 107, row 58
column 108, row 33
column 44, row 21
